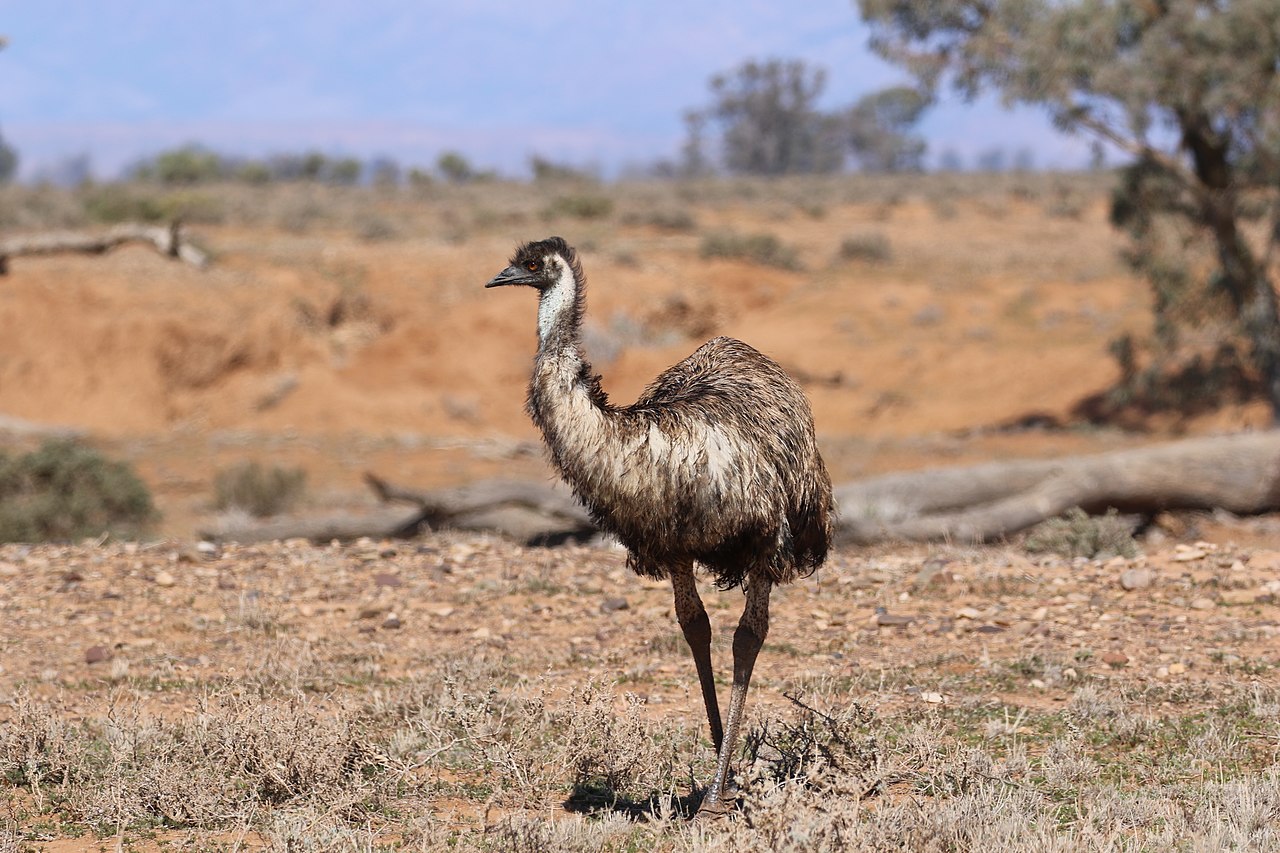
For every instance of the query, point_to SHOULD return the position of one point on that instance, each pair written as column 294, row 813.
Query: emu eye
column 532, row 266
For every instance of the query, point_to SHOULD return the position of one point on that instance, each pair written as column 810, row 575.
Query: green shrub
column 111, row 203
column 66, row 491
column 872, row 247
column 764, row 249
column 582, row 206
column 257, row 490
column 1077, row 534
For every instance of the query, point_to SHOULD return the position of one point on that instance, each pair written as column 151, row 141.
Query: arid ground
column 461, row 691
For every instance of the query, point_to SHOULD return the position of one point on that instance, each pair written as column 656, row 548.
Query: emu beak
column 512, row 275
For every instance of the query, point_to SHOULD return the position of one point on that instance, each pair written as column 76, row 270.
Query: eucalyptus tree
column 1189, row 92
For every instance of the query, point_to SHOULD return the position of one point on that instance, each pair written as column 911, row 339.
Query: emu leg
column 747, row 640
column 697, row 633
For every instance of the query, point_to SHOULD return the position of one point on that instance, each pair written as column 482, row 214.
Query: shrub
column 764, row 249
column 257, row 490
column 1077, row 534
column 67, row 491
column 871, row 246
column 582, row 206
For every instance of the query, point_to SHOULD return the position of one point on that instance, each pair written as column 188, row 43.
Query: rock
column 1202, row 603
column 1237, row 597
column 968, row 613
column 1040, row 614
column 932, row 697
column 1115, row 659
column 387, row 579
column 1038, row 684
column 1177, row 668
column 481, row 633
column 988, row 629
column 887, row 620
column 9, row 570
column 208, row 549
column 1132, row 579
column 934, row 573
column 371, row 612
column 163, row 578
column 96, row 654
column 391, row 622
column 1188, row 553
column 227, row 582
column 612, row 605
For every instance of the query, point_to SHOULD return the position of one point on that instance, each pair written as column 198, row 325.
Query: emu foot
column 717, row 808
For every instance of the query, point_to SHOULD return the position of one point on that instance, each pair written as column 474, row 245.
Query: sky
column 597, row 83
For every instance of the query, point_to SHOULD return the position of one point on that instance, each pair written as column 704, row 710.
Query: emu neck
column 565, row 399
column 560, row 315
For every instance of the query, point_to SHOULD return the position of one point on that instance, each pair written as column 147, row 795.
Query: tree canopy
column 766, row 118
column 1189, row 90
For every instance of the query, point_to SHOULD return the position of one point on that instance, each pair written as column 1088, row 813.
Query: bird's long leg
column 747, row 640
column 697, row 633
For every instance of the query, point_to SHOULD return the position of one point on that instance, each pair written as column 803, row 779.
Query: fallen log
column 529, row 512
column 1238, row 473
column 385, row 523
column 168, row 241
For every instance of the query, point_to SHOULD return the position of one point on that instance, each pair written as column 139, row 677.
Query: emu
column 716, row 463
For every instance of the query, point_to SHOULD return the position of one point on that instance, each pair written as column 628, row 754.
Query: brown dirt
column 336, row 353
column 344, row 355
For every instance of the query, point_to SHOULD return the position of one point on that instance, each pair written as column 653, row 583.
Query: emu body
column 715, row 463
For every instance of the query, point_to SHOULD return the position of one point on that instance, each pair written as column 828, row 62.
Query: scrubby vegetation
column 258, row 489
column 65, row 491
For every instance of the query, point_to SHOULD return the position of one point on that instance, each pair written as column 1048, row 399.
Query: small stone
column 1040, row 614
column 934, row 573
column 612, row 605
column 387, row 579
column 372, row 612
column 1177, row 668
column 887, row 620
column 988, row 629
column 481, row 633
column 1135, row 579
column 163, row 578
column 1038, row 684
column 442, row 612
column 227, row 582
column 968, row 613
column 9, row 570
column 1202, row 603
column 1187, row 553
column 391, row 622
column 96, row 654
column 1115, row 659
column 207, row 548
column 1162, row 672
column 932, row 697
column 1070, row 673
column 1237, row 597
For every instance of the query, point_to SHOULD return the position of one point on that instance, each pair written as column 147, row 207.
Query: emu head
column 551, row 267
column 542, row 265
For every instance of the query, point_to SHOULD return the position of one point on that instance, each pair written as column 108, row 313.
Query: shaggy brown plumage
column 715, row 463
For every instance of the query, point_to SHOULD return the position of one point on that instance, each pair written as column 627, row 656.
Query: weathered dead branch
column 1239, row 473
column 525, row 511
column 168, row 241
